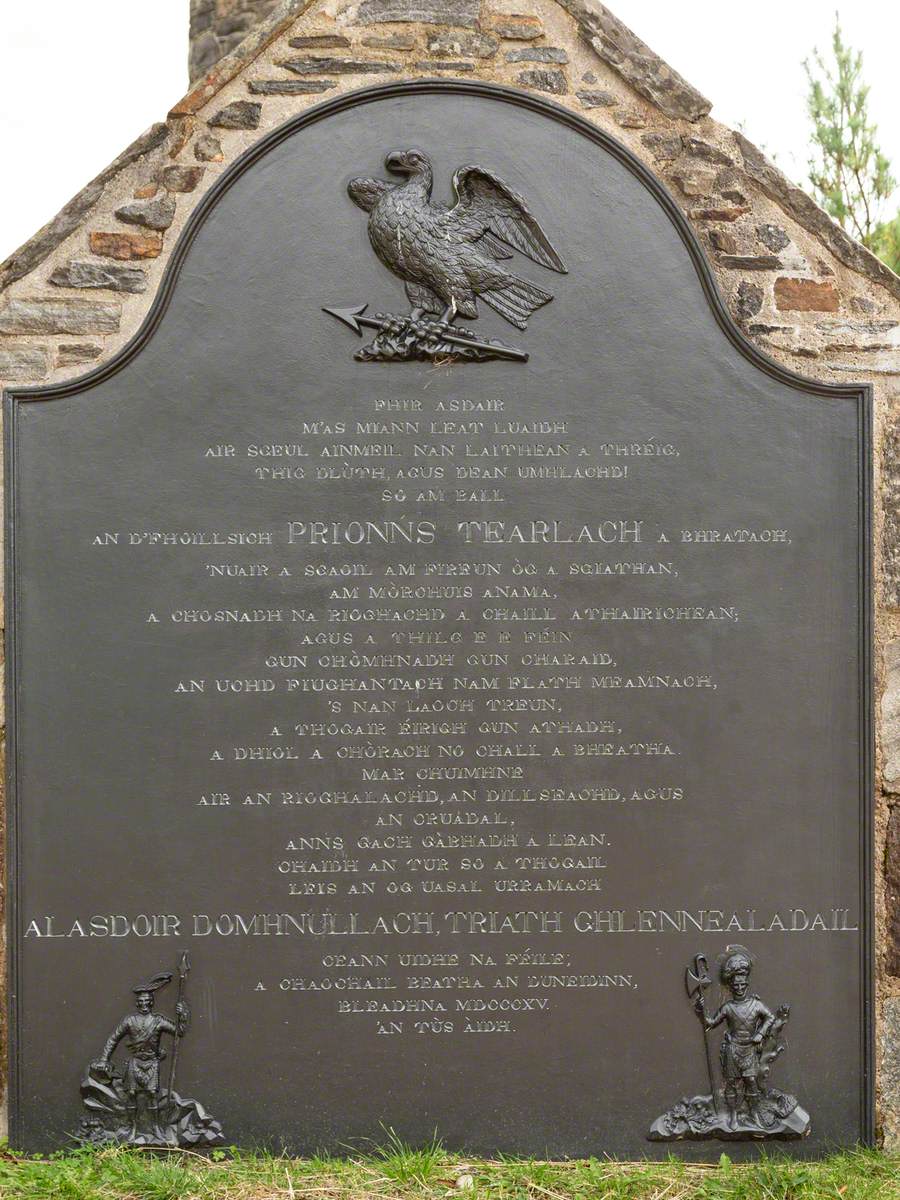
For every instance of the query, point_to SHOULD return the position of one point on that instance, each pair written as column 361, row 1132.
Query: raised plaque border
column 860, row 394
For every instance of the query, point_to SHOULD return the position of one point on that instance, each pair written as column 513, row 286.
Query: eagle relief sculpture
column 449, row 258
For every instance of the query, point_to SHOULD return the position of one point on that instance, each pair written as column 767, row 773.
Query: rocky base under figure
column 705, row 1117
column 409, row 339
column 108, row 1120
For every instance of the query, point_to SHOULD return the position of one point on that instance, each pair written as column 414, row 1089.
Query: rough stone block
column 665, row 147
column 630, row 118
column 597, row 99
column 889, row 1074
column 83, row 274
column 477, row 45
column 21, row 363
column 429, row 12
column 694, row 177
column 750, row 262
column 805, row 295
column 60, row 316
column 890, row 543
column 126, row 246
column 71, row 353
column 205, row 53
column 761, row 329
column 863, row 304
column 544, row 81
column 459, row 68
column 289, row 87
column 727, row 213
column 861, row 331
column 728, row 185
column 179, row 178
column 540, row 54
column 241, row 114
column 773, row 237
column 231, row 42
column 338, row 66
column 635, row 61
column 748, row 300
column 890, row 720
column 208, row 149
column 152, row 214
column 181, row 134
column 722, row 241
column 146, row 191
column 201, row 14
column 320, row 41
column 697, row 148
column 235, row 23
column 517, row 27
column 892, row 893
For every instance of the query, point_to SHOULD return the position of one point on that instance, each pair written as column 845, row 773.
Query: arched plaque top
column 432, row 87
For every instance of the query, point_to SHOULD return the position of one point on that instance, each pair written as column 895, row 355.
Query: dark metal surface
column 552, row 594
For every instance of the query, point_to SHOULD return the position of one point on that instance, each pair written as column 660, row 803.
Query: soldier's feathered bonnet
column 735, row 959
column 157, row 982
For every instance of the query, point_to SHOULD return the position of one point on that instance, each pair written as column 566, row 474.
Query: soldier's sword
column 184, row 966
column 696, row 979
column 354, row 318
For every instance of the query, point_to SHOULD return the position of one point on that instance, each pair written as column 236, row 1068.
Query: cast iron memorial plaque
column 463, row 729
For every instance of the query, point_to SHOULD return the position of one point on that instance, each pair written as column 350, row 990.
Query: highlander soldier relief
column 744, row 1106
column 135, row 1107
column 440, row 709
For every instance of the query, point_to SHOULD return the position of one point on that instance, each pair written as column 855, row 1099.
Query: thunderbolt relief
column 448, row 258
column 744, row 1106
column 133, row 1107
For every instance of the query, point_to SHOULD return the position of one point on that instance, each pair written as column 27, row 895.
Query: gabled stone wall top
column 218, row 27
column 796, row 284
column 801, row 287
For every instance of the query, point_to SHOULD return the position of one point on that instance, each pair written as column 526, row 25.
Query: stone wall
column 218, row 27
column 795, row 283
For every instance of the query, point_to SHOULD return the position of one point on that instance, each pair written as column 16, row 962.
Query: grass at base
column 398, row 1172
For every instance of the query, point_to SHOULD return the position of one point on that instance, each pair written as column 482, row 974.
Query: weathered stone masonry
column 796, row 284
column 218, row 27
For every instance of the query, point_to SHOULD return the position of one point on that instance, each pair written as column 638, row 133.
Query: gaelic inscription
column 440, row 712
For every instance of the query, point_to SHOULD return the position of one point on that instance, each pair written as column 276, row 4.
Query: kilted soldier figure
column 140, row 1080
column 748, row 1024
column 752, row 1108
column 130, row 1107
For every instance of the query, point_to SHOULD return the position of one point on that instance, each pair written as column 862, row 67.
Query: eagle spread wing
column 486, row 208
column 367, row 192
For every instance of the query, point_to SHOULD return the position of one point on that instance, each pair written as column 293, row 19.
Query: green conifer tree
column 851, row 177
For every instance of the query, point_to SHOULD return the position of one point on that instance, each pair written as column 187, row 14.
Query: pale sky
column 82, row 78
